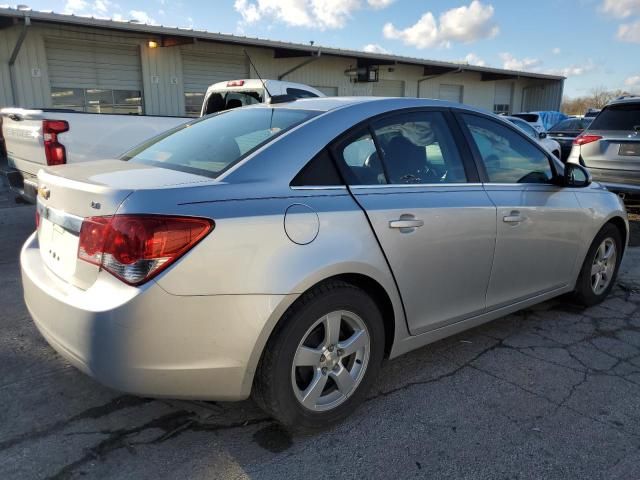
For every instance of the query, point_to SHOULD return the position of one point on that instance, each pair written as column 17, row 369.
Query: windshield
column 228, row 99
column 618, row 117
column 571, row 124
column 212, row 144
column 527, row 117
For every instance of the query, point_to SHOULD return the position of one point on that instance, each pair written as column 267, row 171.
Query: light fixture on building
column 152, row 44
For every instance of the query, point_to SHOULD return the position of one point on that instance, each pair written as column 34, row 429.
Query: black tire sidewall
column 584, row 293
column 290, row 411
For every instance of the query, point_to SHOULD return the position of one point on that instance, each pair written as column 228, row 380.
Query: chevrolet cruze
column 283, row 251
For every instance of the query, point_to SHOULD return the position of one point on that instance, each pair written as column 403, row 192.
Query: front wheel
column 324, row 355
column 600, row 267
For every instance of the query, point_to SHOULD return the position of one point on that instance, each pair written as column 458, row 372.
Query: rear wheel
column 600, row 267
column 322, row 359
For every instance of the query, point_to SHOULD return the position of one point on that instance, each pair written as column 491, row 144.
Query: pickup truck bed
column 82, row 136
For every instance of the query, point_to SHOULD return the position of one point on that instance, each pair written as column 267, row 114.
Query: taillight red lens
column 54, row 151
column 584, row 139
column 37, row 219
column 136, row 248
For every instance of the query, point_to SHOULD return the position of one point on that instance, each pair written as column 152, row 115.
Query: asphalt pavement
column 551, row 392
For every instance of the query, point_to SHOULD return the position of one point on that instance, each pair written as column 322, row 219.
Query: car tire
column 600, row 268
column 311, row 397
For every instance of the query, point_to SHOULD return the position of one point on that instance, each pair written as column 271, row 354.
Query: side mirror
column 576, row 176
column 542, row 135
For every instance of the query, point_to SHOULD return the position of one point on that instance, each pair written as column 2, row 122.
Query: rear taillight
column 53, row 149
column 135, row 248
column 584, row 139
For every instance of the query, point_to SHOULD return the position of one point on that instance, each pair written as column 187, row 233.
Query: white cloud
column 96, row 8
column 473, row 59
column 75, row 6
column 375, row 48
column 463, row 24
column 633, row 81
column 573, row 70
column 141, row 16
column 629, row 32
column 377, row 4
column 621, row 8
column 556, row 51
column 510, row 62
column 321, row 14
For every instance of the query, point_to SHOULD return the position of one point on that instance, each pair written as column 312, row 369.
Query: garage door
column 502, row 102
column 201, row 69
column 328, row 91
column 451, row 93
column 95, row 77
column 388, row 88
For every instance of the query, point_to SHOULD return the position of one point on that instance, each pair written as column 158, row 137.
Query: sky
column 594, row 43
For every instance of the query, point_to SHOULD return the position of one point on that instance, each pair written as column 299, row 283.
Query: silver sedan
column 283, row 251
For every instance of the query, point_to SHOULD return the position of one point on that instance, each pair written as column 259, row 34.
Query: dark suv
column 610, row 147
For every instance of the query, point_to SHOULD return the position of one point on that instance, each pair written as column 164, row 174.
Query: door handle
column 514, row 217
column 406, row 223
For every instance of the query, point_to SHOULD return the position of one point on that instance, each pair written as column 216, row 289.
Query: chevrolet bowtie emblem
column 44, row 192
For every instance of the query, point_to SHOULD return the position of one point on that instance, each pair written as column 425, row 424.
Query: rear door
column 539, row 224
column 434, row 221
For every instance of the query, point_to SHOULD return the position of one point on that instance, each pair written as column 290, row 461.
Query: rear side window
column 508, row 156
column 299, row 93
column 417, row 148
column 361, row 158
column 210, row 145
column 618, row 117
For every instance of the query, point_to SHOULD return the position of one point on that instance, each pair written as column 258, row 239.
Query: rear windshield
column 618, row 117
column 571, row 124
column 228, row 99
column 212, row 144
column 527, row 117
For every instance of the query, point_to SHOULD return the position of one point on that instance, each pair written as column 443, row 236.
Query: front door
column 539, row 223
column 436, row 228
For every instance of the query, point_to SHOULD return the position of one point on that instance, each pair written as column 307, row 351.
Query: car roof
column 625, row 100
column 325, row 104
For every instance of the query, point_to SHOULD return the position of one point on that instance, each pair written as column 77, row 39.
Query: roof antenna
column 257, row 73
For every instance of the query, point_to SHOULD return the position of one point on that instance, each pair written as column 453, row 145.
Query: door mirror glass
column 542, row 135
column 576, row 176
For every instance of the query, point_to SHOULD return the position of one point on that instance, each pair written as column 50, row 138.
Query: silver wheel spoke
column 343, row 379
column 600, row 253
column 608, row 251
column 311, row 395
column 595, row 269
column 307, row 357
column 332, row 328
column 354, row 343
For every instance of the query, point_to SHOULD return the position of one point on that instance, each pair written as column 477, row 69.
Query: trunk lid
column 616, row 150
column 69, row 193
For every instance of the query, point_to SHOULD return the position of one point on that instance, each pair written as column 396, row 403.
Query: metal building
column 65, row 61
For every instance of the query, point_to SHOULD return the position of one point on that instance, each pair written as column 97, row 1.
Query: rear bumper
column 20, row 183
column 146, row 341
column 619, row 181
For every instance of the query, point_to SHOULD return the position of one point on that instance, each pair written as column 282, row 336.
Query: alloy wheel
column 330, row 361
column 603, row 266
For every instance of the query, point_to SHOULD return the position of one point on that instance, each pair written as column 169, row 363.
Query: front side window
column 507, row 156
column 212, row 144
column 417, row 148
column 97, row 100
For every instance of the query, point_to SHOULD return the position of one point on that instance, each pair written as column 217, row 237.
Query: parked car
column 282, row 251
column 592, row 113
column 45, row 137
column 541, row 121
column 541, row 137
column 566, row 131
column 239, row 93
column 610, row 147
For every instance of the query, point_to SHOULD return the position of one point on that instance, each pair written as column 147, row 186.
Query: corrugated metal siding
column 201, row 69
column 93, row 65
column 5, row 81
column 328, row 91
column 542, row 96
column 451, row 93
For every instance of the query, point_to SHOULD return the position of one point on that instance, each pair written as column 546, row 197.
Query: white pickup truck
column 33, row 138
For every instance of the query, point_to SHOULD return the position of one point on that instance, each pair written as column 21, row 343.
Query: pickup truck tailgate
column 24, row 140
